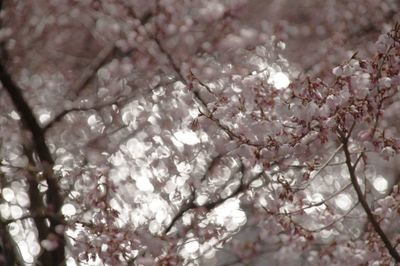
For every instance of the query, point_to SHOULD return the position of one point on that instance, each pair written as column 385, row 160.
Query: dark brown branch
column 8, row 248
column 3, row 52
column 53, row 196
column 61, row 115
column 371, row 218
column 88, row 74
column 83, row 81
column 209, row 206
column 27, row 115
column 189, row 206
column 91, row 70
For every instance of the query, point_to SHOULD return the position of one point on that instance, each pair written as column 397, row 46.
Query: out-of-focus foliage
column 199, row 132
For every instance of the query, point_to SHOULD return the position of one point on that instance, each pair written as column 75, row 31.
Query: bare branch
column 90, row 71
column 61, row 115
column 8, row 248
column 322, row 167
column 371, row 218
column 242, row 187
column 53, row 196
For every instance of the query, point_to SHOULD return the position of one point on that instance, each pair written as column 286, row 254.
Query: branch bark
column 8, row 248
column 371, row 218
column 242, row 187
column 53, row 197
column 90, row 71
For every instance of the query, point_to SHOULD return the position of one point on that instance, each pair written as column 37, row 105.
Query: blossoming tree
column 170, row 132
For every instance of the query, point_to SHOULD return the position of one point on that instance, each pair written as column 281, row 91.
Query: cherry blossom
column 199, row 132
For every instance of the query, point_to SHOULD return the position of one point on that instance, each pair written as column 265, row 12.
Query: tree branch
column 242, row 187
column 91, row 70
column 8, row 248
column 53, row 196
column 371, row 218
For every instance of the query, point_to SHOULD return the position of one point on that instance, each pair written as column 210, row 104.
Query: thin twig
column 322, row 167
